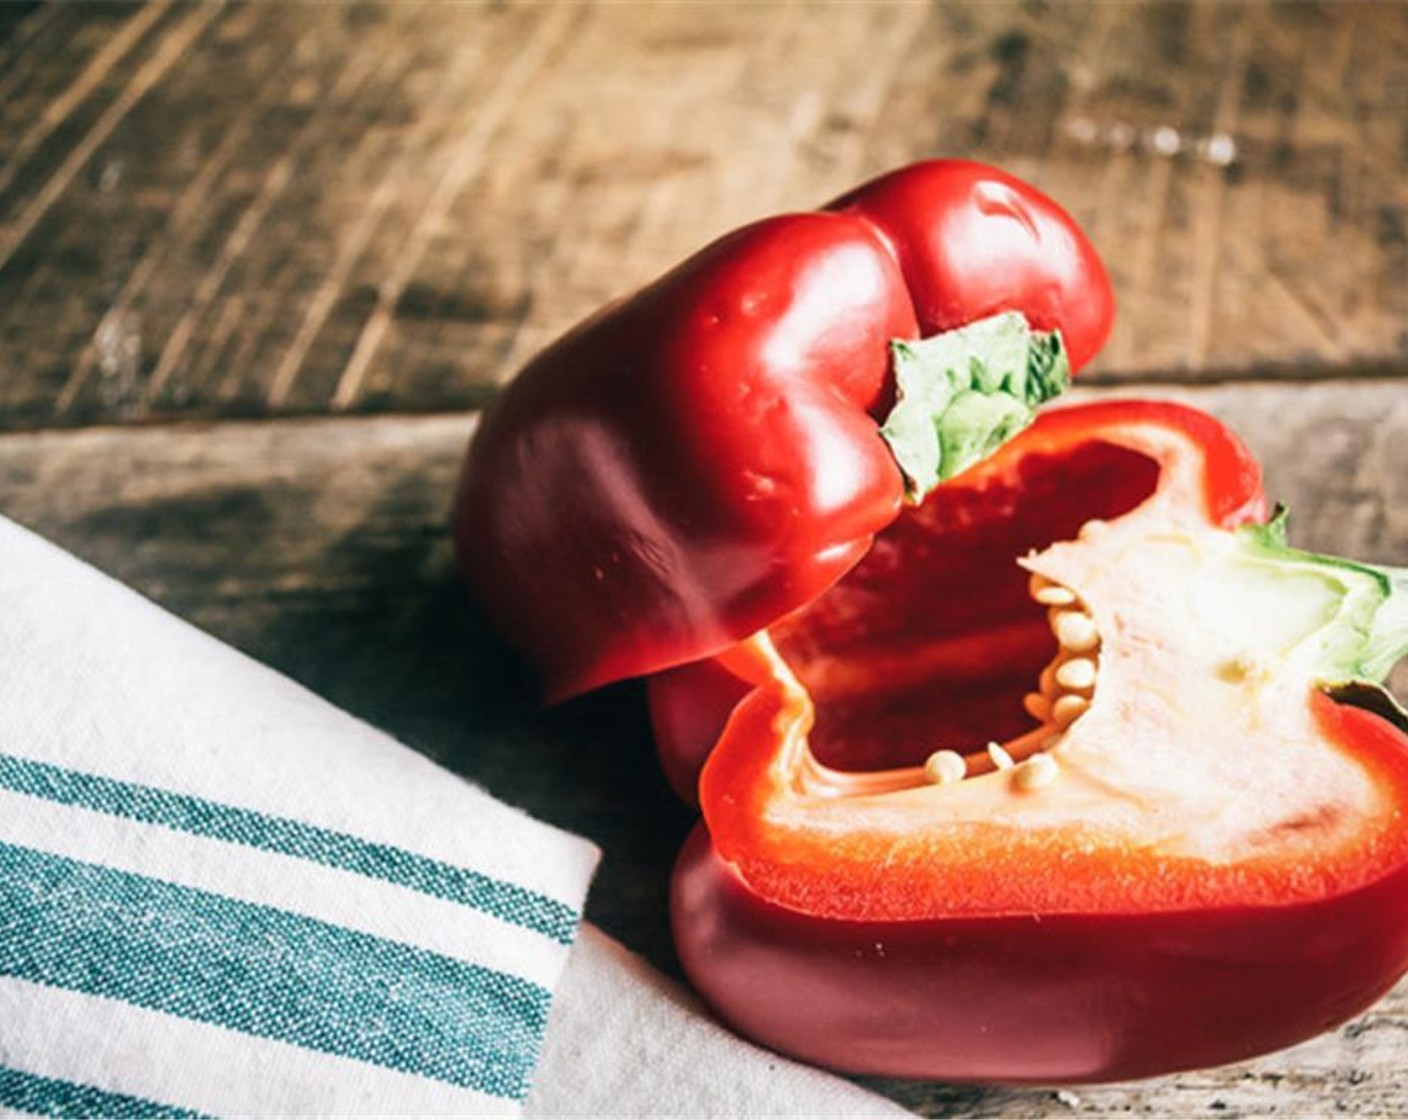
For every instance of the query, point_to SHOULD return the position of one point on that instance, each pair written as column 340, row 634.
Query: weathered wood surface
column 266, row 209
column 222, row 209
column 319, row 546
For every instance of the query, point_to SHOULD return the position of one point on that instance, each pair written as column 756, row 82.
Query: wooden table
column 258, row 264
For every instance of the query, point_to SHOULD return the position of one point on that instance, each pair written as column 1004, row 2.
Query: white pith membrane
column 1184, row 729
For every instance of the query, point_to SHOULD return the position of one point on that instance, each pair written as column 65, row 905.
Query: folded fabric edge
column 624, row 1041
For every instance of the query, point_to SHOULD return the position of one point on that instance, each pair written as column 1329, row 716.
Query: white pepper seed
column 1000, row 758
column 1068, row 709
column 1076, row 674
column 1036, row 772
column 945, row 767
column 1076, row 631
column 1055, row 596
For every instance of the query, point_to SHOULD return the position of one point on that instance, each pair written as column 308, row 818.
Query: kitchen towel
column 221, row 895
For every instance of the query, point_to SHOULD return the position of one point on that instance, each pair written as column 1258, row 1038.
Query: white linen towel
column 221, row 895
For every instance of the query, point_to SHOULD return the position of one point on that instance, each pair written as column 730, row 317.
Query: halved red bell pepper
column 694, row 462
column 1063, row 782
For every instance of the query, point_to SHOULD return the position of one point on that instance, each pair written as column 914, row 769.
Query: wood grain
column 300, row 209
column 320, row 547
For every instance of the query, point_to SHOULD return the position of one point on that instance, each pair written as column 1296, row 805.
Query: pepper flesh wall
column 1181, row 853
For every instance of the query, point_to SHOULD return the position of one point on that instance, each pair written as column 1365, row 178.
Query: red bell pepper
column 1067, row 770
column 1061, row 783
column 694, row 462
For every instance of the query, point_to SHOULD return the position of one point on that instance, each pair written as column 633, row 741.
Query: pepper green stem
column 1359, row 615
column 1388, row 638
column 1370, row 633
column 962, row 394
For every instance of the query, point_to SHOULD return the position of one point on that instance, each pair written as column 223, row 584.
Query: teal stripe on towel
column 266, row 972
column 507, row 901
column 48, row 1096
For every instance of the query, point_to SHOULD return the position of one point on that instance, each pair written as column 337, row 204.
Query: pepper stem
column 1388, row 639
column 964, row 393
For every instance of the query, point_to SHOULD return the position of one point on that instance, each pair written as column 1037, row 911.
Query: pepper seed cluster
column 1064, row 692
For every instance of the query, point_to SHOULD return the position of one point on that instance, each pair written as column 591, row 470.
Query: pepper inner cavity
column 1064, row 693
column 933, row 640
column 1065, row 690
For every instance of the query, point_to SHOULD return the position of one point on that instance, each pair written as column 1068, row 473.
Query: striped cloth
column 219, row 895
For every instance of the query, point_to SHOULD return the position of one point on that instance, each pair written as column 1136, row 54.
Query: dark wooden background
column 259, row 263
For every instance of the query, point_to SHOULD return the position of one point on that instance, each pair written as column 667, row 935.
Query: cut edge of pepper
column 784, row 703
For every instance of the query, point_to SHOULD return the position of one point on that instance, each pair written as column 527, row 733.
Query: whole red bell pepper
column 1070, row 779
column 691, row 463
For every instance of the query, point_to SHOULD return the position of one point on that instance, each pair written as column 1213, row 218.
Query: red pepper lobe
column 697, row 461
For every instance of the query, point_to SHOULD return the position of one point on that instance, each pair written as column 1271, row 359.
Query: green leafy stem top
column 962, row 394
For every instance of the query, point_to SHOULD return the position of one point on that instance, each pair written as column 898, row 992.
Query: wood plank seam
column 481, row 396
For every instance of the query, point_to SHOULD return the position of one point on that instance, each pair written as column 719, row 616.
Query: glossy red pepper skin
column 971, row 244
column 688, row 465
column 1071, row 995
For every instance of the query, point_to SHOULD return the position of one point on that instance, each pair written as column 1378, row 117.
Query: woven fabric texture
column 220, row 895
